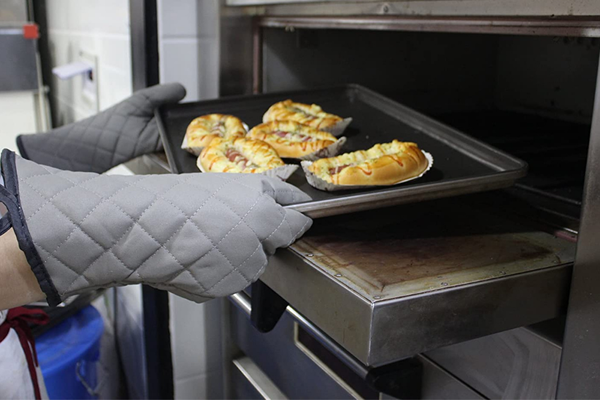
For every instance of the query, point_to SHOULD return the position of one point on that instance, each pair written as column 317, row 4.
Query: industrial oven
column 466, row 297
column 473, row 295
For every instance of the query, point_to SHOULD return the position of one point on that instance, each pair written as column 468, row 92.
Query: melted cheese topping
column 240, row 155
column 310, row 114
column 216, row 124
column 290, row 132
column 292, row 139
column 325, row 168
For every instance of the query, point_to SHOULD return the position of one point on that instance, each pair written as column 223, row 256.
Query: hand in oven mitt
column 199, row 236
column 102, row 141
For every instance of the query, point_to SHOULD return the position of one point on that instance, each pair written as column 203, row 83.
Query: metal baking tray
column 461, row 163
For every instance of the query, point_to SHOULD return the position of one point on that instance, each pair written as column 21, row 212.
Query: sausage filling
column 218, row 128
column 338, row 169
column 238, row 158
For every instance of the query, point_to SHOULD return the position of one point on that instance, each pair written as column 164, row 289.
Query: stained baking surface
column 462, row 164
column 421, row 248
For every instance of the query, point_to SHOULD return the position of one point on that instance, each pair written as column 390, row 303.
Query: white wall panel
column 97, row 27
column 188, row 51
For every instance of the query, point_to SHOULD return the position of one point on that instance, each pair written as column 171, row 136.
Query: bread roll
column 382, row 164
column 238, row 155
column 292, row 139
column 202, row 130
column 307, row 114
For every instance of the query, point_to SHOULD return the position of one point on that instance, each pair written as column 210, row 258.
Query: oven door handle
column 401, row 379
column 267, row 307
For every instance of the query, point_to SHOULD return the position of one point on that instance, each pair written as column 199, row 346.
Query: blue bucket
column 68, row 354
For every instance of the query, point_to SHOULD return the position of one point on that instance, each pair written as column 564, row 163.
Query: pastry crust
column 238, row 155
column 202, row 130
column 292, row 139
column 382, row 164
column 307, row 114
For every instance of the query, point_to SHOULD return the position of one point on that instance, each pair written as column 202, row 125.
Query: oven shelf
column 392, row 283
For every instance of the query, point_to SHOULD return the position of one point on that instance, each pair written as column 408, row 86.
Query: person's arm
column 18, row 285
column 199, row 236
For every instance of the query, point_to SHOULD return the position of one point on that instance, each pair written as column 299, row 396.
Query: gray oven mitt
column 100, row 142
column 197, row 235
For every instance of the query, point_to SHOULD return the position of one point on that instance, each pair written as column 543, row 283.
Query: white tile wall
column 208, row 64
column 17, row 113
column 198, row 387
column 178, row 18
column 179, row 63
column 189, row 54
column 196, row 348
column 188, row 338
column 191, row 388
column 188, row 45
column 98, row 27
column 90, row 16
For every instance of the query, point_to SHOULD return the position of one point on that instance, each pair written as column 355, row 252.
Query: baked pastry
column 382, row 164
column 311, row 115
column 292, row 139
column 238, row 155
column 202, row 130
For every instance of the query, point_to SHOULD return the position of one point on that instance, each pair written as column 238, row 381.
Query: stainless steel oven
column 477, row 296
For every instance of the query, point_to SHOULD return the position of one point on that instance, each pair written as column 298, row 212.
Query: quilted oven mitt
column 100, row 142
column 197, row 235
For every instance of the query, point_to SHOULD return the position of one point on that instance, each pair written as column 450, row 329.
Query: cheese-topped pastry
column 238, row 155
column 292, row 139
column 202, row 130
column 307, row 114
column 382, row 164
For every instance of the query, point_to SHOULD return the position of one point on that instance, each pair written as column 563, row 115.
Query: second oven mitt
column 199, row 236
column 102, row 141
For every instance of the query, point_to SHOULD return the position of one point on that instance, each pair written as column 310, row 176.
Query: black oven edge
column 580, row 370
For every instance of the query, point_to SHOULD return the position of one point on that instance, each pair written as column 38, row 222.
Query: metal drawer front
column 276, row 354
column 301, row 374
column 249, row 382
column 439, row 384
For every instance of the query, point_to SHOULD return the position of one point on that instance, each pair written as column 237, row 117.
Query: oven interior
column 531, row 96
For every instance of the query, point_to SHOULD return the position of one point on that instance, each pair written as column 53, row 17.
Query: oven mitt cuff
column 102, row 141
column 199, row 236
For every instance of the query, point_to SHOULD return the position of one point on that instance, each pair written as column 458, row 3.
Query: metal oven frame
column 580, row 367
column 579, row 375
